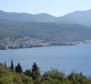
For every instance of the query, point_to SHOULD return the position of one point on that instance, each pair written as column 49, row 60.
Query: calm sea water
column 65, row 58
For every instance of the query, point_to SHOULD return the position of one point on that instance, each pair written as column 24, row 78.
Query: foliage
column 9, row 76
column 7, row 33
column 18, row 68
column 77, row 78
column 28, row 73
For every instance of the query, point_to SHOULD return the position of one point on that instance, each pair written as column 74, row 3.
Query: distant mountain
column 77, row 17
column 25, row 17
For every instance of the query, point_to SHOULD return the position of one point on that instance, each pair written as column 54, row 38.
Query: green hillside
column 11, row 76
column 8, row 76
column 47, row 31
column 7, row 33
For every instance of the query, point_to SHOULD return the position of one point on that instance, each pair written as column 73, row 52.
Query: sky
column 53, row 7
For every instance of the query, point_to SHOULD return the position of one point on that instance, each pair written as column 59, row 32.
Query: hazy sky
column 54, row 7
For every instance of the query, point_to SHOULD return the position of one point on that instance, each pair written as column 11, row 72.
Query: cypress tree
column 12, row 66
column 35, row 72
column 18, row 68
column 5, row 64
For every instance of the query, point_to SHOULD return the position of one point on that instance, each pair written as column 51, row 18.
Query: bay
column 64, row 58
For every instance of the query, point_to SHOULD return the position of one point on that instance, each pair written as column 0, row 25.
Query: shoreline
column 46, row 46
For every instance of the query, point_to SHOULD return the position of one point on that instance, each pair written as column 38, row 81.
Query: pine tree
column 12, row 66
column 18, row 68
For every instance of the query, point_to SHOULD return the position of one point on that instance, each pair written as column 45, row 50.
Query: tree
column 18, row 68
column 77, row 78
column 12, row 66
column 5, row 64
column 35, row 72
column 28, row 73
column 53, row 76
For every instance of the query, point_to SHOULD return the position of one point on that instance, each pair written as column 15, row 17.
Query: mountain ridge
column 77, row 17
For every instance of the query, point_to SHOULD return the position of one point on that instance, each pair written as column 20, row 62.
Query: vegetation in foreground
column 15, row 75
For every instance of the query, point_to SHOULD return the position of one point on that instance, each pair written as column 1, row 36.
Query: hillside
column 15, row 34
column 21, row 30
column 48, row 31
column 8, row 76
column 11, row 76
column 8, row 33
